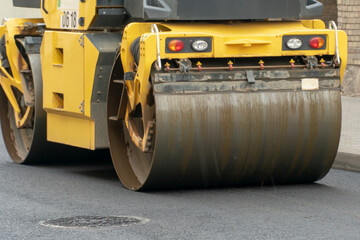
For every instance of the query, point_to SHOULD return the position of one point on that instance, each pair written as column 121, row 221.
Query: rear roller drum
column 26, row 144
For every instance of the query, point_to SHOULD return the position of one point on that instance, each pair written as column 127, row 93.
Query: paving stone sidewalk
column 349, row 150
column 350, row 132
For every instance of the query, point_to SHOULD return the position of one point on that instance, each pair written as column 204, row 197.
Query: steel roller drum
column 233, row 138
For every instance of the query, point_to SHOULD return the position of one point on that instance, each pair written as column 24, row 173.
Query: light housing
column 200, row 45
column 316, row 42
column 294, row 43
column 195, row 45
column 309, row 42
column 176, row 45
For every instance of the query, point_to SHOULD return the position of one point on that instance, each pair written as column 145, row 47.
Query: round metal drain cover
column 93, row 222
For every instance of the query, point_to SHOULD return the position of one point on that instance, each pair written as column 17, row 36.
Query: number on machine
column 69, row 19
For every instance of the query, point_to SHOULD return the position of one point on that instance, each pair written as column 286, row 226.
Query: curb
column 347, row 161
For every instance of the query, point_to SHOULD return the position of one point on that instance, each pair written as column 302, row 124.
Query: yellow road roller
column 185, row 94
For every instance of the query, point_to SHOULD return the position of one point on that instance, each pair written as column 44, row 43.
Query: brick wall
column 346, row 13
column 349, row 20
column 330, row 11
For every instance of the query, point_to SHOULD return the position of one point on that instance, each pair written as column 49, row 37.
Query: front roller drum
column 233, row 139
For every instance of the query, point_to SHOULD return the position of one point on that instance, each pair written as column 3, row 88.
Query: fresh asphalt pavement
column 329, row 209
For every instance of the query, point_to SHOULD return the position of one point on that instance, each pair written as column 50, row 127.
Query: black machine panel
column 221, row 10
column 197, row 10
column 27, row 3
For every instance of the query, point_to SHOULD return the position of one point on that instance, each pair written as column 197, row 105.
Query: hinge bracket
column 81, row 40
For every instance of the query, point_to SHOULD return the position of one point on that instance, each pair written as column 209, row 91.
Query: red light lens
column 317, row 42
column 176, row 45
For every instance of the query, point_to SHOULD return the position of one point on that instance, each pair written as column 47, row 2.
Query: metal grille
column 93, row 222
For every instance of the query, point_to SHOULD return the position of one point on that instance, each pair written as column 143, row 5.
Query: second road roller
column 185, row 94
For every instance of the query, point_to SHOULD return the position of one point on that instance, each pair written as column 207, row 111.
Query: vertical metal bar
column 332, row 25
column 155, row 29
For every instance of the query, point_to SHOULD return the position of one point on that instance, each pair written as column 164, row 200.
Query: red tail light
column 317, row 42
column 176, row 45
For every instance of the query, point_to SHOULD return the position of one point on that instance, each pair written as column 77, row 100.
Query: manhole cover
column 93, row 222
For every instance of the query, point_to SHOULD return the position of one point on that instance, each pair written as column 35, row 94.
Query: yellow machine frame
column 259, row 39
column 69, row 61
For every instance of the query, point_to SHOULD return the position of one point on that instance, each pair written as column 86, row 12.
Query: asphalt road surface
column 329, row 209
